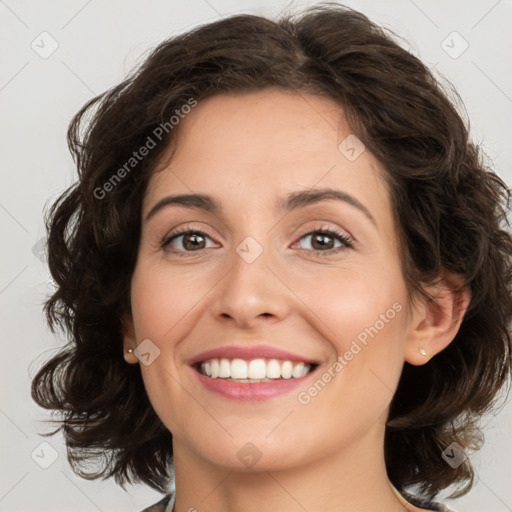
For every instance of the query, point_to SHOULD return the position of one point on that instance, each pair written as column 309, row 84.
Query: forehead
column 253, row 148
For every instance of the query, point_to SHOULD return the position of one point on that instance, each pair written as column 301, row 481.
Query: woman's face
column 282, row 264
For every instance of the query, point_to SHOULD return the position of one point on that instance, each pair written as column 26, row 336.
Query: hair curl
column 449, row 208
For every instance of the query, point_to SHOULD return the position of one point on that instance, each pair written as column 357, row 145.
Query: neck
column 351, row 479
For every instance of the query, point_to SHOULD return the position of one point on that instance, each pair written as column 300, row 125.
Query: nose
column 250, row 294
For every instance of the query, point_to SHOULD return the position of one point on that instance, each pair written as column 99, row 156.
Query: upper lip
column 248, row 353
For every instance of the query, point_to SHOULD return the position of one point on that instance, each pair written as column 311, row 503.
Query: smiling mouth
column 253, row 371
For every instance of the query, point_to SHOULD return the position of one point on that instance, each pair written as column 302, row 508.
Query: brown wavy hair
column 450, row 208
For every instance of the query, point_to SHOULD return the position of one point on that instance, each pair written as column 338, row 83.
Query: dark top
column 414, row 500
column 161, row 505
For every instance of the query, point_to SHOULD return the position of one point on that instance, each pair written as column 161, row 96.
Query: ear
column 436, row 321
column 129, row 340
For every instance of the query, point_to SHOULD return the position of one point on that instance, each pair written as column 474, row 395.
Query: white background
column 98, row 43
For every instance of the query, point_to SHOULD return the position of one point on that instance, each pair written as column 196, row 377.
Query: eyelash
column 346, row 241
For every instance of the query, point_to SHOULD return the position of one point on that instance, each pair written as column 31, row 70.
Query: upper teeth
column 254, row 369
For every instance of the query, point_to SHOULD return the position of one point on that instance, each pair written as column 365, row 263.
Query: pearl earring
column 130, row 351
column 423, row 352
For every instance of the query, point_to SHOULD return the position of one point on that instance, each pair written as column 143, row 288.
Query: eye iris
column 192, row 241
column 324, row 241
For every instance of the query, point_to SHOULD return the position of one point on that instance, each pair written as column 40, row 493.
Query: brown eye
column 320, row 241
column 193, row 241
column 326, row 241
column 186, row 241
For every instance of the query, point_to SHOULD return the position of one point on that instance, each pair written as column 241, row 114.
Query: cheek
column 165, row 304
column 162, row 299
column 363, row 317
column 159, row 308
column 355, row 304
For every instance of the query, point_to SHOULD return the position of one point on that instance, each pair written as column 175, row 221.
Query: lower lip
column 248, row 392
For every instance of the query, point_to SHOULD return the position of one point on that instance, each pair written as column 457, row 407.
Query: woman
column 285, row 274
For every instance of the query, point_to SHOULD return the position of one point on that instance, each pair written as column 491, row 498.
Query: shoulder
column 159, row 506
column 426, row 505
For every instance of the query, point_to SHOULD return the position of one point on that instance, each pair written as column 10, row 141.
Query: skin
column 248, row 151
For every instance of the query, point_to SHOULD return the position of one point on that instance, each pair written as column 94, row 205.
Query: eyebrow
column 292, row 201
